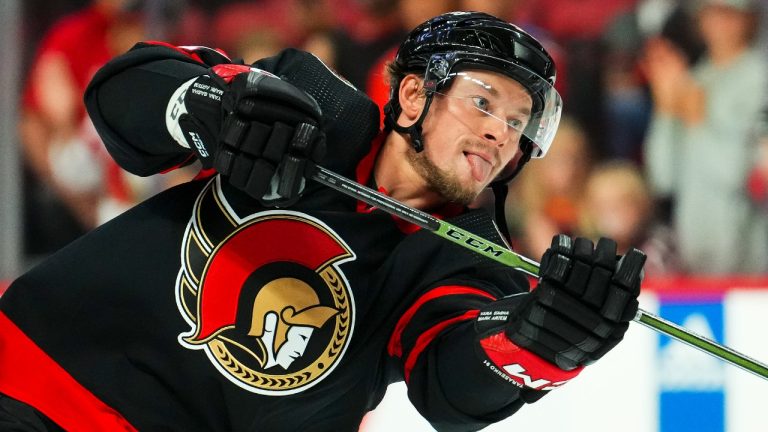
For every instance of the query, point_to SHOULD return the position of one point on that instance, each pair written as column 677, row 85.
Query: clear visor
column 531, row 108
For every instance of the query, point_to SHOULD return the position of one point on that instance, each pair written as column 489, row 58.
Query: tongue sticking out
column 480, row 167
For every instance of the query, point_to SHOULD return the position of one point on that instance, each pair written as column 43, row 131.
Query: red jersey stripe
column 48, row 387
column 428, row 336
column 395, row 347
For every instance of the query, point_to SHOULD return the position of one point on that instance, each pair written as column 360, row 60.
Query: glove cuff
column 175, row 109
column 193, row 116
column 522, row 367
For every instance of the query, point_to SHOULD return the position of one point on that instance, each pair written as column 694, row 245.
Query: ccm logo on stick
column 474, row 242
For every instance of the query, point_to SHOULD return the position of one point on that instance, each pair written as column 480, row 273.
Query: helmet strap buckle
column 414, row 131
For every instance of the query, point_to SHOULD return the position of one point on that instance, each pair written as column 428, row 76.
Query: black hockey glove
column 260, row 132
column 582, row 306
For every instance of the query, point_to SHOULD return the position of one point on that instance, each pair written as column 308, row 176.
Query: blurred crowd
column 663, row 143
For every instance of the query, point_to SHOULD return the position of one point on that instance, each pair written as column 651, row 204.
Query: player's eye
column 516, row 124
column 481, row 103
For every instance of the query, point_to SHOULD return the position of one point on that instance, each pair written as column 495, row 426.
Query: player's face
column 471, row 133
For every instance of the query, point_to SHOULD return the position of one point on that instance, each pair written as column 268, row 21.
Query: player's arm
column 472, row 358
column 127, row 99
column 159, row 106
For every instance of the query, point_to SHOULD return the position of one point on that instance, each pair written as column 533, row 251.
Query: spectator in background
column 546, row 197
column 54, row 130
column 700, row 146
column 321, row 21
column 617, row 203
column 757, row 183
column 357, row 45
column 71, row 184
column 409, row 14
column 251, row 30
column 626, row 100
column 577, row 26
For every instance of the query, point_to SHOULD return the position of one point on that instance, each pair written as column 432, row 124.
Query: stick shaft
column 702, row 343
column 505, row 256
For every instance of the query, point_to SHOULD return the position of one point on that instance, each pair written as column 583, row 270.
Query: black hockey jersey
column 199, row 310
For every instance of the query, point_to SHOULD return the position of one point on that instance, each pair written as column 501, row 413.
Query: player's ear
column 411, row 94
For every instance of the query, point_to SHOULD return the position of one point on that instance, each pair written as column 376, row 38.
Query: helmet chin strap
column 527, row 148
column 500, row 192
column 414, row 130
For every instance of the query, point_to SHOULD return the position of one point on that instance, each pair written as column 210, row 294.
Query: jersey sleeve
column 435, row 342
column 127, row 99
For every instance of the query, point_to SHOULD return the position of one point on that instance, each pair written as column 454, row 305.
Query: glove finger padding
column 270, row 110
column 583, row 303
column 621, row 303
column 271, row 138
column 305, row 147
column 267, row 88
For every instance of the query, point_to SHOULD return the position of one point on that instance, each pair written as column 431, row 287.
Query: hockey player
column 255, row 299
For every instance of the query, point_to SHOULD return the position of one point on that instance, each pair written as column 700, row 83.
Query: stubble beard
column 440, row 181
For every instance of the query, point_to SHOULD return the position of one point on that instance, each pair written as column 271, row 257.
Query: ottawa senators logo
column 264, row 295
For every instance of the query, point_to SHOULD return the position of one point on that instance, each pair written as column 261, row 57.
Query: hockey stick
column 504, row 255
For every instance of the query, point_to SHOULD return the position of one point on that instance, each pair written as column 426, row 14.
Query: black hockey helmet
column 445, row 45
